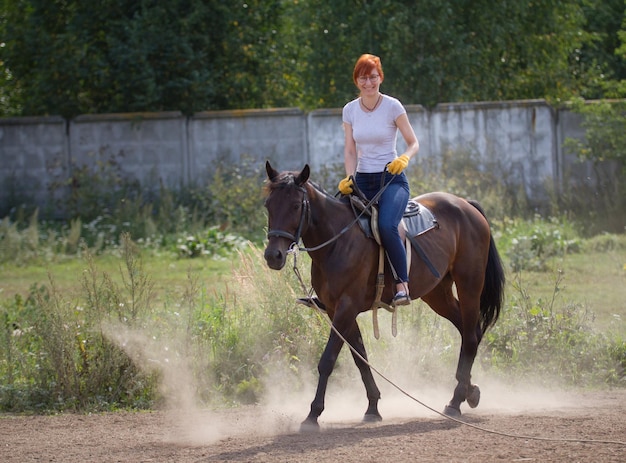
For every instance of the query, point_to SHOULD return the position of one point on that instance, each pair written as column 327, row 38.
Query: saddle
column 416, row 220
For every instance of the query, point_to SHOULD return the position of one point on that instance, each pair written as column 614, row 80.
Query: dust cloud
column 288, row 394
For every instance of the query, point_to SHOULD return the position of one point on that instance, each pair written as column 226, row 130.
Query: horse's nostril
column 273, row 254
column 275, row 258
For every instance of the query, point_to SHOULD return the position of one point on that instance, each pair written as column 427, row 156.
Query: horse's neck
column 328, row 218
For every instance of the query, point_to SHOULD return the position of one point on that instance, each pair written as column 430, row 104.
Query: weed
column 57, row 349
column 211, row 243
column 547, row 341
column 531, row 244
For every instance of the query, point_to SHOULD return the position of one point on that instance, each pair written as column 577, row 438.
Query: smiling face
column 368, row 74
column 369, row 84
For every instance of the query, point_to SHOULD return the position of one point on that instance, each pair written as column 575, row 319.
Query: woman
column 371, row 123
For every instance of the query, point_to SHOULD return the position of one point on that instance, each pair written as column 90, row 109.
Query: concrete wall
column 149, row 146
column 522, row 139
column 33, row 152
column 230, row 136
column 516, row 138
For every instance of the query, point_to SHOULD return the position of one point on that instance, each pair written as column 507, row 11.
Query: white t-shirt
column 374, row 132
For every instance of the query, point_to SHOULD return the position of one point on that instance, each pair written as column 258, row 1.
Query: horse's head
column 287, row 211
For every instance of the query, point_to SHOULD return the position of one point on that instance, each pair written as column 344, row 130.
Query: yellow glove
column 345, row 186
column 398, row 164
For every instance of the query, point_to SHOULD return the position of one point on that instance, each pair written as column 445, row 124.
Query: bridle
column 304, row 215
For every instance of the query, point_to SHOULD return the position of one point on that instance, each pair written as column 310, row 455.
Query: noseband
column 304, row 214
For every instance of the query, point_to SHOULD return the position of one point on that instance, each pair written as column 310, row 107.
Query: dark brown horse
column 343, row 274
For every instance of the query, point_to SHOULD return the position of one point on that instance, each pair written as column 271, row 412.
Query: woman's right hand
column 345, row 186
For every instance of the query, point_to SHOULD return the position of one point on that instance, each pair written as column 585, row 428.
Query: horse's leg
column 373, row 393
column 469, row 304
column 465, row 318
column 324, row 368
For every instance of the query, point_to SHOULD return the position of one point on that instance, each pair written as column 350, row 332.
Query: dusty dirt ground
column 264, row 434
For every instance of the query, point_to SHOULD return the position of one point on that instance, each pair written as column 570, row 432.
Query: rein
column 306, row 208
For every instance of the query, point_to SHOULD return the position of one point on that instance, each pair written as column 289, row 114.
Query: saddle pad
column 418, row 219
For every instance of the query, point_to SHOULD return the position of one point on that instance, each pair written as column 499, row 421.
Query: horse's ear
column 271, row 172
column 303, row 176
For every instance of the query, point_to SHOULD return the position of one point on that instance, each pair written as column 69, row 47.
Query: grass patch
column 595, row 281
column 167, row 270
column 135, row 329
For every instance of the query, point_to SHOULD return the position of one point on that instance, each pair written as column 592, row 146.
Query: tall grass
column 109, row 345
column 552, row 342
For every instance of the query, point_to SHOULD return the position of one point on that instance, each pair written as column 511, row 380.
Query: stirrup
column 312, row 302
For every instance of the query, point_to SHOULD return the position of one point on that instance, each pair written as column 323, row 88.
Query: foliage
column 70, row 57
column 109, row 347
column 438, row 51
column 530, row 245
column 552, row 342
column 56, row 355
column 234, row 199
column 605, row 52
column 29, row 241
column 111, row 343
column 605, row 139
column 605, row 242
column 104, row 203
column 212, row 243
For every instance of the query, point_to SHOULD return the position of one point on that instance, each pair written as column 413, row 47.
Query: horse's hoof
column 372, row 418
column 473, row 396
column 452, row 412
column 309, row 426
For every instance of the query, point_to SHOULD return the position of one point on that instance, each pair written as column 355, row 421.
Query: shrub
column 538, row 338
column 212, row 243
column 529, row 245
column 56, row 355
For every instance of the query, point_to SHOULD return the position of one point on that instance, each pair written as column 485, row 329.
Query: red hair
column 365, row 65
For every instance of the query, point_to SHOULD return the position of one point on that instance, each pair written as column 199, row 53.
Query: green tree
column 605, row 137
column 603, row 57
column 69, row 57
column 442, row 50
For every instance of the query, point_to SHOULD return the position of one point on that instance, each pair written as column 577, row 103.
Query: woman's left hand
column 398, row 164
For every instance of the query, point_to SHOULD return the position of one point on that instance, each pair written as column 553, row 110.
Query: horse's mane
column 286, row 179
column 319, row 188
column 283, row 180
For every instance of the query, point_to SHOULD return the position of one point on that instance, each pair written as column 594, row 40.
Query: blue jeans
column 391, row 206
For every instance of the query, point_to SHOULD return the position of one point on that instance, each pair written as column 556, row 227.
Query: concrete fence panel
column 33, row 154
column 246, row 135
column 516, row 139
column 150, row 147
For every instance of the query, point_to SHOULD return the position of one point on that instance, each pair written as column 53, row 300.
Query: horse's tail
column 492, row 296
